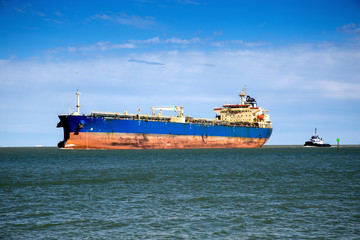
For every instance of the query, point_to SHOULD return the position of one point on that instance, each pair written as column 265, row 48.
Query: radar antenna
column 242, row 95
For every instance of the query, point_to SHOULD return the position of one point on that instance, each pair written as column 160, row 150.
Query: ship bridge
column 246, row 112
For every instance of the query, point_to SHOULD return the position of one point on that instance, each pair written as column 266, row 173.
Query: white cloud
column 328, row 72
column 157, row 40
column 98, row 46
column 154, row 40
column 243, row 43
column 103, row 46
column 136, row 21
column 172, row 42
column 58, row 14
column 182, row 41
column 23, row 8
column 20, row 10
column 101, row 16
column 107, row 45
column 130, row 20
column 190, row 2
column 2, row 61
column 349, row 28
column 145, row 62
column 53, row 20
column 339, row 89
column 40, row 14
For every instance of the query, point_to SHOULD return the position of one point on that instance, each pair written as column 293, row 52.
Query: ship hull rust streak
column 86, row 140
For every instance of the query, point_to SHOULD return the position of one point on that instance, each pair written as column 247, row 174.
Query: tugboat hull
column 311, row 144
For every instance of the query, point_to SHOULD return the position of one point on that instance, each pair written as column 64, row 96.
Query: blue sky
column 299, row 59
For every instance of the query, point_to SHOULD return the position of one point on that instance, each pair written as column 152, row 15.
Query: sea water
column 266, row 193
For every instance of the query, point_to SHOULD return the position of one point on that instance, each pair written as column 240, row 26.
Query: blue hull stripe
column 108, row 125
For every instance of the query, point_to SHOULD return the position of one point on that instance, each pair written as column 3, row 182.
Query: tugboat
column 315, row 141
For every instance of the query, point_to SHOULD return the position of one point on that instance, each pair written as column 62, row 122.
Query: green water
column 267, row 193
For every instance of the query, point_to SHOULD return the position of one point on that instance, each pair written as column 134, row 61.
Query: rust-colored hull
column 86, row 140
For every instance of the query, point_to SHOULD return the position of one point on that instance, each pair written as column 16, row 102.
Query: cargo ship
column 242, row 125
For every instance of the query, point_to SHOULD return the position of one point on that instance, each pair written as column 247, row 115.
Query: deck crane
column 178, row 110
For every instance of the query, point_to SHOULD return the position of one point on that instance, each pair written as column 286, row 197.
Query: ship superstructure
column 243, row 125
column 245, row 113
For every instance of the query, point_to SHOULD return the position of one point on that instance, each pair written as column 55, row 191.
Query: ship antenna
column 78, row 102
column 242, row 95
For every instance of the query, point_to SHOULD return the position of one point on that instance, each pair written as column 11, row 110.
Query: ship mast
column 77, row 104
column 242, row 95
